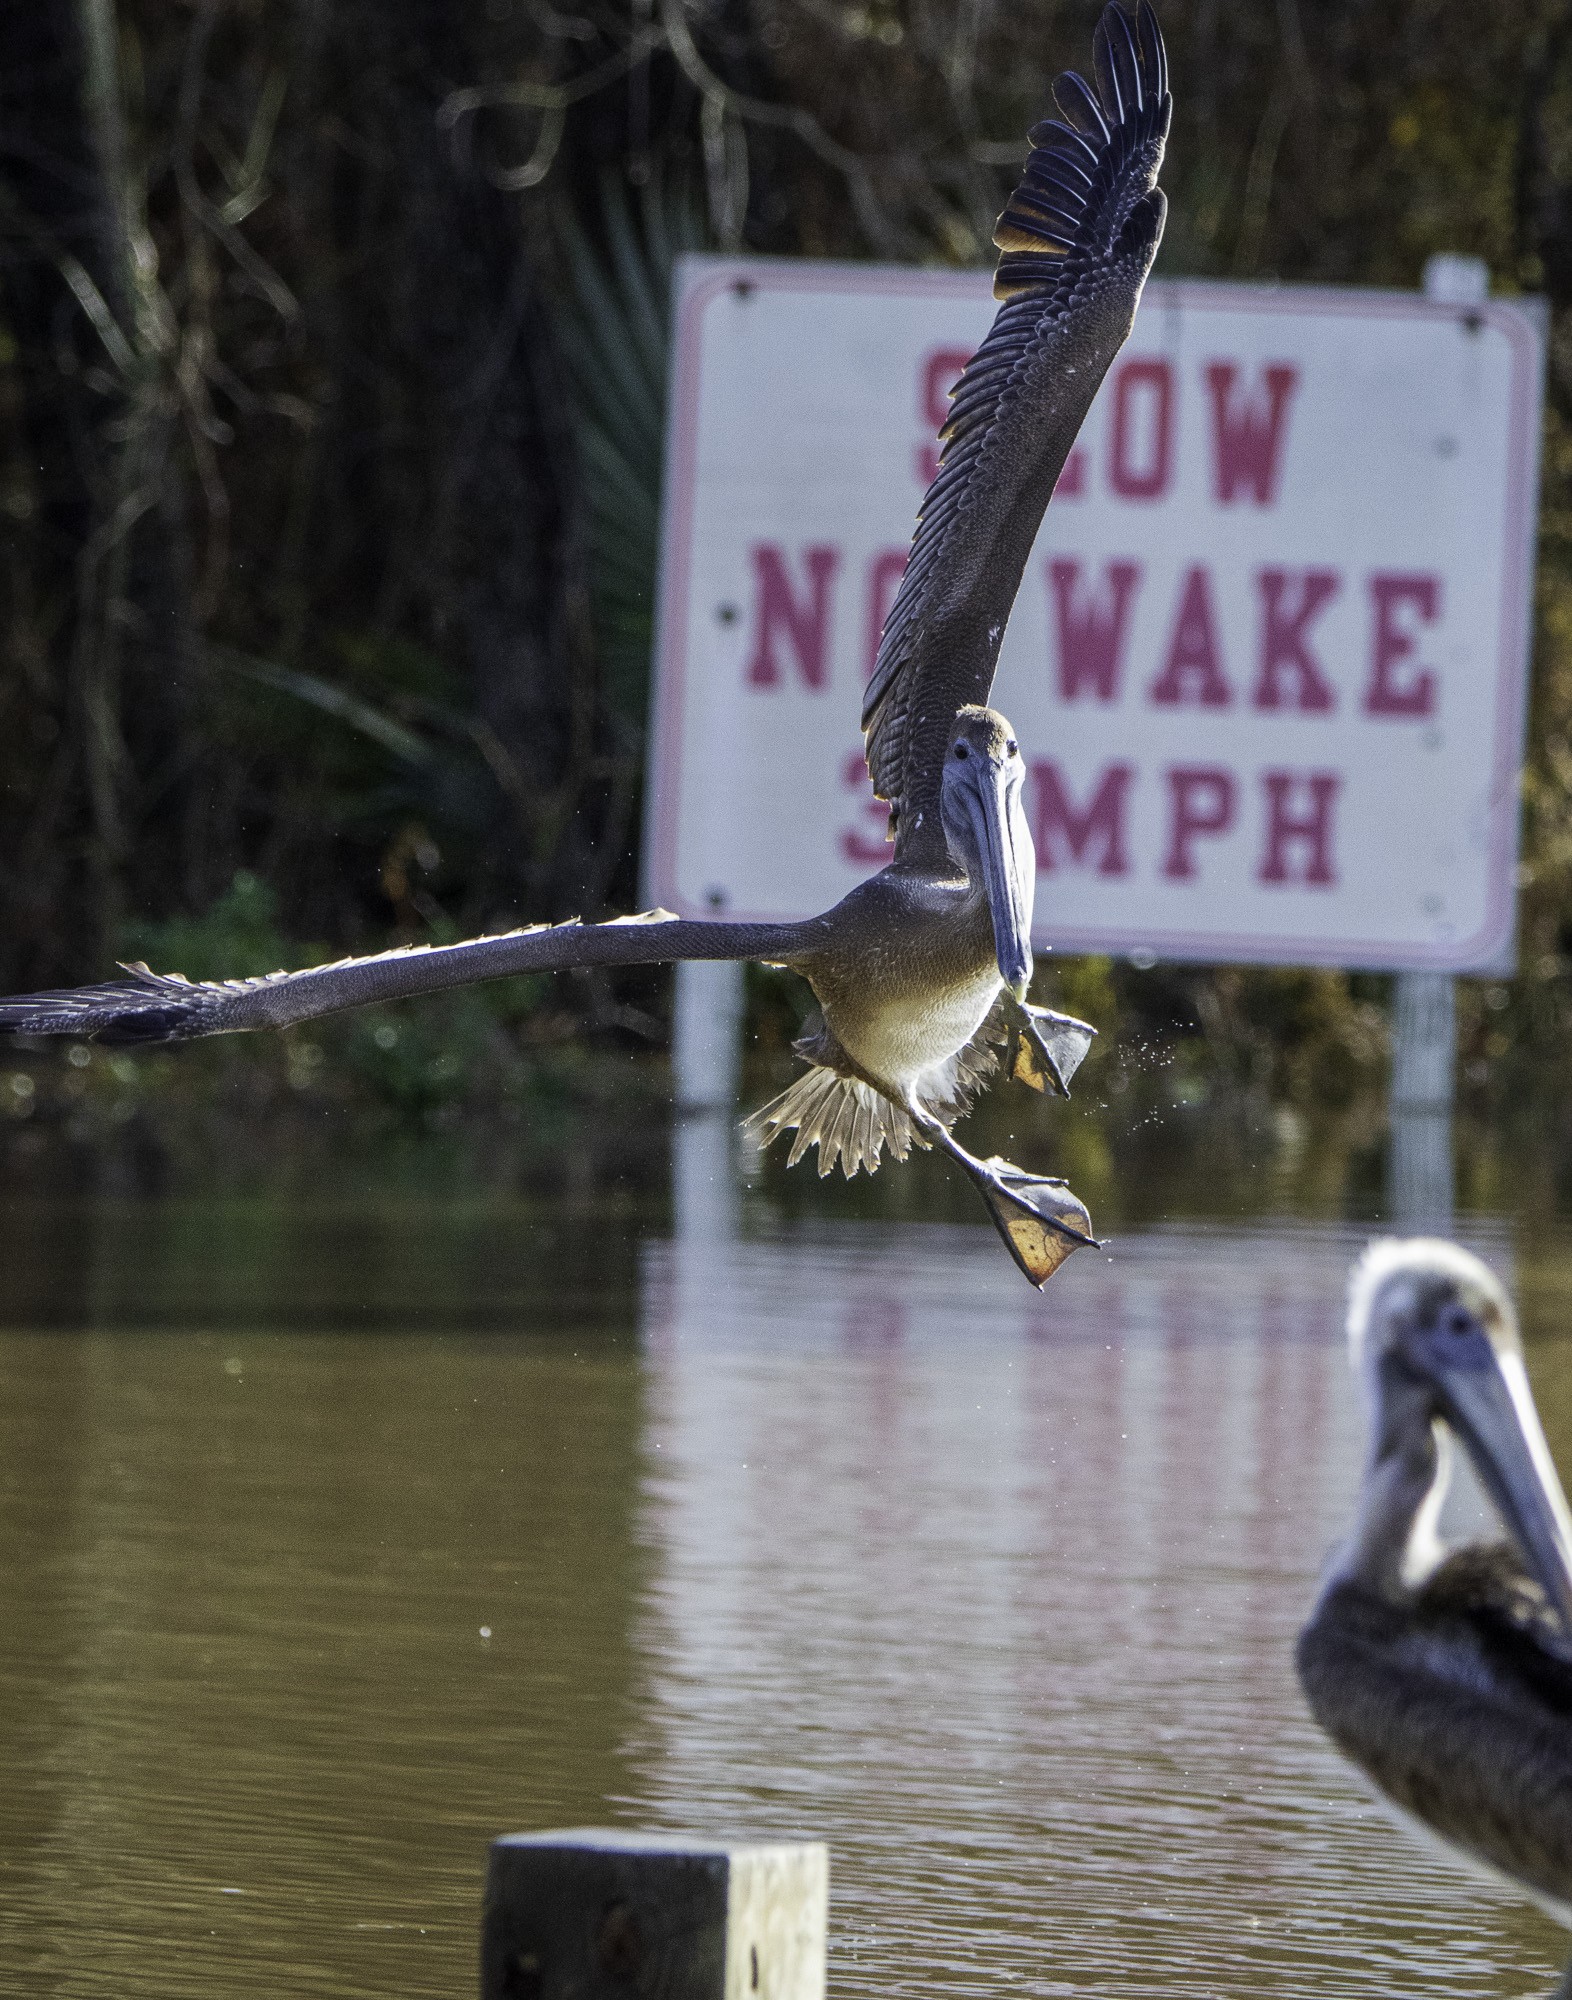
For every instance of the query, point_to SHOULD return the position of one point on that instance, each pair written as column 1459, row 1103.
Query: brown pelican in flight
column 1447, row 1677
column 921, row 972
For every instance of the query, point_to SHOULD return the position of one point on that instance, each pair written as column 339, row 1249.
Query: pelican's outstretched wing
column 163, row 1007
column 1078, row 238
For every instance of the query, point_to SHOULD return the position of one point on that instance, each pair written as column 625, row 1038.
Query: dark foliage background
column 331, row 375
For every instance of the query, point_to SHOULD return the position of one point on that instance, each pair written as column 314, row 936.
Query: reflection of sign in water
column 996, row 1591
column 1267, row 660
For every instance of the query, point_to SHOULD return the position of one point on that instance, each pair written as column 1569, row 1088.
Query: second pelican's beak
column 1485, row 1395
column 1009, row 865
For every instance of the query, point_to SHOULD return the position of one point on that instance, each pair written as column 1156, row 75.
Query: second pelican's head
column 1434, row 1337
column 986, row 831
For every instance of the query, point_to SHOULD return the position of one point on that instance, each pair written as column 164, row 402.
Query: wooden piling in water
column 598, row 1914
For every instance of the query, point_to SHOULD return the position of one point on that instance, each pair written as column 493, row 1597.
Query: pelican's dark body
column 1457, row 1704
column 925, row 977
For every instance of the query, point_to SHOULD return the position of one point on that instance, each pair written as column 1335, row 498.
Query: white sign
column 1268, row 660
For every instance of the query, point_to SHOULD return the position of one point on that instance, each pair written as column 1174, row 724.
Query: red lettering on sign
column 884, row 579
column 868, row 843
column 936, row 380
column 1309, row 826
column 779, row 613
column 1396, row 639
column 1201, row 800
column 1071, row 483
column 1143, row 411
column 1192, row 676
column 1290, row 600
column 1091, row 837
column 1092, row 628
column 1250, row 433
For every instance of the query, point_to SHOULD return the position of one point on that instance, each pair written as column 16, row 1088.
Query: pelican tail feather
column 851, row 1121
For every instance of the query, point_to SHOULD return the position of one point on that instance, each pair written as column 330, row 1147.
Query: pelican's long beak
column 1487, row 1401
column 1009, row 864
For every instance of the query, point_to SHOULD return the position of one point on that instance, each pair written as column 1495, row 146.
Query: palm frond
column 617, row 339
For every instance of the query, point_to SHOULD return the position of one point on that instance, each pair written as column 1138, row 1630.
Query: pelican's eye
column 1011, row 748
column 962, row 750
column 1458, row 1321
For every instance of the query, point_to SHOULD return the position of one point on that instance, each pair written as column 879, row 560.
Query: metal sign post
column 1420, row 1178
column 1424, row 1051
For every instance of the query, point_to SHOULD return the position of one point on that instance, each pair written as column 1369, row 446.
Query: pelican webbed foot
column 1048, row 1047
column 1039, row 1219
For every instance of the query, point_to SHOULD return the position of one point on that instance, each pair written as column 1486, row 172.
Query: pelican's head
column 1433, row 1335
column 985, row 828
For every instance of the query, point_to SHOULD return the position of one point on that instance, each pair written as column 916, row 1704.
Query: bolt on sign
column 1268, row 662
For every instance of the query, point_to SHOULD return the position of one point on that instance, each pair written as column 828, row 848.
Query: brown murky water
column 339, row 1537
